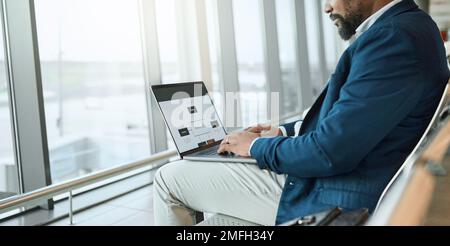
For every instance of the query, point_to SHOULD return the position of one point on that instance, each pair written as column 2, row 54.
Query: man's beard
column 347, row 26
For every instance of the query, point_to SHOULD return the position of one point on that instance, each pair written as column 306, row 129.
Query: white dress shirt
column 372, row 19
column 359, row 31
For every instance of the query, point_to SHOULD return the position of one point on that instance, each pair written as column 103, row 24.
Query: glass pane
column 178, row 40
column 93, row 79
column 8, row 169
column 167, row 37
column 286, row 40
column 213, row 39
column 212, row 22
column 250, row 56
column 312, row 29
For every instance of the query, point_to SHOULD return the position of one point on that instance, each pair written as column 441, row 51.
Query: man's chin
column 345, row 35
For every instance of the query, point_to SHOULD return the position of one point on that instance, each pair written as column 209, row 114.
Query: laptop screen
column 190, row 116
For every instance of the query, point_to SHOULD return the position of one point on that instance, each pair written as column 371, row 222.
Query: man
column 374, row 110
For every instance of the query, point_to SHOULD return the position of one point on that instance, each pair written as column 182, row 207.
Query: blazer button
column 291, row 183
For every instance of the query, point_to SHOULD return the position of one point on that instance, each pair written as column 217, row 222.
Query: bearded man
column 375, row 108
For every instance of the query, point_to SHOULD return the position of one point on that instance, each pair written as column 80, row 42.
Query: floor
column 133, row 209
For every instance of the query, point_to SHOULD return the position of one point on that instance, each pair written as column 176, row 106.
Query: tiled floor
column 133, row 209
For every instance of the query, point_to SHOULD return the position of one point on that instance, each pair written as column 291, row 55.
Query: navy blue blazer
column 376, row 106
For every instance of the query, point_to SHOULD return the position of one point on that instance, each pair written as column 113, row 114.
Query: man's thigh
column 234, row 189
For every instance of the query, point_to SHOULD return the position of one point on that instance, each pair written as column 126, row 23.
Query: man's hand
column 265, row 130
column 238, row 143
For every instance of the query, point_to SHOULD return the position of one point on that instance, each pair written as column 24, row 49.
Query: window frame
column 24, row 72
column 27, row 103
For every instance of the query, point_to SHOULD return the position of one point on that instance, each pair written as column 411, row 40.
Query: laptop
column 193, row 122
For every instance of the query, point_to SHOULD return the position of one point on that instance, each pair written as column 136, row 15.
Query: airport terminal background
column 96, row 65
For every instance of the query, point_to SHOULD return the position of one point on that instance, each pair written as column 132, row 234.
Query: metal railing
column 36, row 197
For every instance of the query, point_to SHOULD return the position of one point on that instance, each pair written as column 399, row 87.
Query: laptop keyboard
column 213, row 152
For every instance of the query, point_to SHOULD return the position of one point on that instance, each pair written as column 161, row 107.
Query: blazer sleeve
column 384, row 85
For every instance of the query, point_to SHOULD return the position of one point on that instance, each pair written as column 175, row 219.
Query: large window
column 250, row 56
column 93, row 79
column 8, row 169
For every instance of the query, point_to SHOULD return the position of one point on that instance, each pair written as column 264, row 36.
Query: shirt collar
column 373, row 18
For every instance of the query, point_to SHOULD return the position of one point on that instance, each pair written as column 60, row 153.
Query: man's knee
column 166, row 174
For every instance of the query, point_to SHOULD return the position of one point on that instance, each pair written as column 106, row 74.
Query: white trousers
column 238, row 190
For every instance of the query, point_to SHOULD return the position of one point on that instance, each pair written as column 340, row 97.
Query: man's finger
column 266, row 127
column 225, row 140
column 223, row 148
column 233, row 139
column 254, row 129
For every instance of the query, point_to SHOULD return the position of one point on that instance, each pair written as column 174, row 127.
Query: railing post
column 70, row 208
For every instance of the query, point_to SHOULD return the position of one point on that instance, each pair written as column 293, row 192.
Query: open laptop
column 193, row 122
